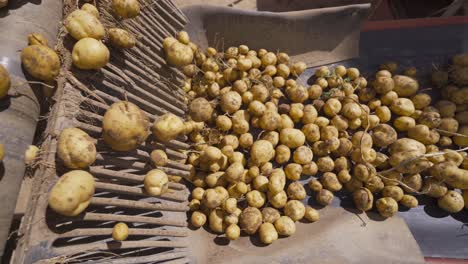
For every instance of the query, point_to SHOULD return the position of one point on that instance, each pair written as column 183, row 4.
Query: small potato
column 324, row 197
column 250, row 220
column 82, row 24
column 296, row 112
column 230, row 140
column 120, row 232
column 363, row 199
column 344, row 176
column 268, row 233
column 283, row 154
column 215, row 221
column 332, row 107
column 76, row 148
column 386, row 206
column 315, row 185
column 451, row 202
column 156, row 182
column 353, row 185
column 394, row 192
column 325, row 164
column 198, row 219
column 230, row 205
column 5, row 82
column 310, row 169
column 462, row 141
column 40, row 62
column 296, row 191
column 167, row 127
column 409, row 201
column 388, row 98
column 200, row 110
column 302, row 155
column 272, row 137
column 126, row 8
column 383, row 135
column 351, row 110
column 277, row 200
column 255, row 198
column 261, row 152
column 446, row 108
column 246, row 140
column 230, row 102
column 448, row 124
column 423, row 134
column 374, row 184
column 293, row 171
column 232, row 232
column 405, row 86
column 285, row 226
column 158, row 158
column 295, row 210
column 413, row 181
column 223, row 122
column 234, row 172
column 72, row 193
column 404, row 123
column 270, row 120
column 383, row 84
column 198, row 193
column 402, row 107
column 421, row 100
column 121, row 38
column 311, row 132
column 298, row 68
column 330, row 182
column 277, row 181
column 292, row 137
column 384, row 113
column 430, row 119
column 90, row 54
column 31, row 155
column 270, row 215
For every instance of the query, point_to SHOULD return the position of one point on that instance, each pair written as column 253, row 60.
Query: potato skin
column 250, row 220
column 5, row 82
column 76, row 148
column 156, row 182
column 121, row 38
column 37, row 39
column 72, row 193
column 200, row 110
column 167, row 127
column 405, row 86
column 124, row 126
column 363, row 199
column 270, row 215
column 292, row 137
column 267, row 233
column 126, row 8
column 120, row 232
column 82, row 24
column 90, row 54
column 386, row 206
column 285, row 226
column 41, row 62
column 451, row 202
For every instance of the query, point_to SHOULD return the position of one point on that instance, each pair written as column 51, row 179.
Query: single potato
column 76, row 148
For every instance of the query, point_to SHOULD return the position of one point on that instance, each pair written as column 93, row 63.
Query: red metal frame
column 413, row 23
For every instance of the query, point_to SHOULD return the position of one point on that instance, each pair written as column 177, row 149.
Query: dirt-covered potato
column 232, row 232
column 76, row 148
column 383, row 135
column 394, row 192
column 156, row 182
column 311, row 214
column 177, row 53
column 126, row 8
column 409, row 201
column 292, row 137
column 330, row 181
column 90, row 54
column 363, row 199
column 461, row 141
column 424, row 134
column 255, row 198
column 121, row 38
column 37, row 39
column 451, row 202
column 285, row 226
column 82, row 24
column 41, row 62
column 293, row 171
column 402, row 107
column 72, row 193
column 268, row 233
column 296, row 191
column 302, row 155
column 120, row 232
column 324, row 197
column 383, row 84
column 198, row 219
column 5, row 82
column 315, row 185
column 167, row 127
column 262, row 151
column 405, row 86
column 270, row 215
column 295, row 210
column 282, row 154
column 250, row 220
column 124, row 126
column 386, row 206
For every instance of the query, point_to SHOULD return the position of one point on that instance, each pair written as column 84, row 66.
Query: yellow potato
column 386, row 206
column 90, row 9
column 41, row 62
column 72, row 193
column 232, row 232
column 124, row 126
column 295, row 210
column 168, row 127
column 121, row 38
column 37, row 39
column 156, row 182
column 250, row 220
column 405, row 86
column 285, row 226
column 90, row 54
column 177, row 53
column 76, row 148
column 198, row 219
column 363, row 199
column 82, row 24
column 262, row 151
column 270, row 215
column 451, row 202
column 215, row 221
column 126, row 8
column 292, row 137
column 120, row 232
column 267, row 233
column 5, row 82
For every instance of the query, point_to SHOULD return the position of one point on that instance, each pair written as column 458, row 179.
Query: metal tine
column 102, row 217
column 136, row 164
column 150, row 23
column 163, row 23
column 166, row 16
column 143, row 152
column 156, row 38
column 88, row 115
column 69, row 250
column 178, row 207
column 100, row 170
column 171, row 195
column 145, row 259
column 171, row 6
column 131, row 231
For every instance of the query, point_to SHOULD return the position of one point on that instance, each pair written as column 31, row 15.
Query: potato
column 434, row 188
column 230, row 102
column 384, row 113
column 409, row 201
column 177, row 53
column 292, row 137
column 293, row 171
column 120, row 232
column 421, row 100
column 295, row 210
column 330, row 182
column 394, row 192
column 285, row 226
column 223, row 122
column 449, row 173
column 277, row 181
column 38, row 39
column 383, row 84
column 72, row 193
column 324, row 197
column 446, row 108
column 353, row 185
column 5, row 82
column 40, row 62
column 261, row 152
column 167, row 127
column 423, row 134
column 156, row 182
column 255, row 198
column 383, row 135
column 402, row 107
column 90, row 54
column 234, row 172
column 311, row 132
column 82, row 24
column 363, row 199
column 386, row 206
column 121, row 38
column 282, row 154
column 405, row 86
column 232, row 232
column 462, row 141
column 126, row 8
column 198, row 219
column 388, row 98
column 451, row 202
column 407, row 145
column 76, row 148
column 30, row 155
column 260, row 183
column 430, row 119
column 332, row 107
column 230, row 140
column 215, row 221
column 296, row 191
column 302, row 155
column 250, row 220
column 404, row 123
column 310, row 169
column 267, row 233
column 270, row 120
column 325, row 164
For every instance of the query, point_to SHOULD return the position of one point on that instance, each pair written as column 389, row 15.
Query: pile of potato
column 263, row 133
